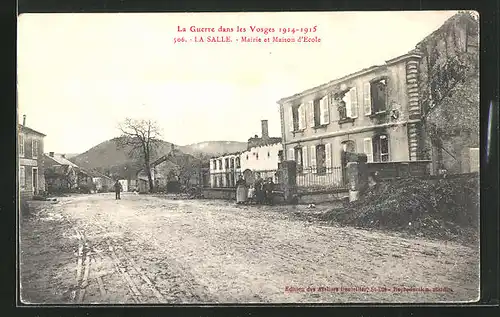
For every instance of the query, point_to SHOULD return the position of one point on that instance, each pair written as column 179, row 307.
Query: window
column 256, row 156
column 22, row 178
column 280, row 155
column 316, row 113
column 375, row 96
column 220, row 164
column 299, row 158
column 247, row 157
column 268, row 154
column 21, row 144
column 349, row 146
column 232, row 163
column 297, row 117
column 349, row 104
column 238, row 162
column 34, row 148
column 380, row 146
column 320, row 159
column 227, row 163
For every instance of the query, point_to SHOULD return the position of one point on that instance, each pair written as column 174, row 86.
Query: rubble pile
column 443, row 208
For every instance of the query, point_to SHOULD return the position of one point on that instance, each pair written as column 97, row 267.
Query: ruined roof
column 30, row 130
column 363, row 71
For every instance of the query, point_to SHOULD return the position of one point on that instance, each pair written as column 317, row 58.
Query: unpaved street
column 145, row 249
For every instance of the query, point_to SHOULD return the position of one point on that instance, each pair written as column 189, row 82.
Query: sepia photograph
column 248, row 158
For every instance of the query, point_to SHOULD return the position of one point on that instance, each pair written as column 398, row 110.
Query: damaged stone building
column 375, row 111
column 404, row 110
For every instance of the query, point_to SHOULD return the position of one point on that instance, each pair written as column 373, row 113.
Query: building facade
column 31, row 165
column 375, row 111
column 263, row 155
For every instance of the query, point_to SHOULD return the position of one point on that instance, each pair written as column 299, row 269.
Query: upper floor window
column 227, row 163
column 34, row 148
column 220, row 164
column 21, row 144
column 348, row 104
column 375, row 96
column 238, row 162
column 232, row 163
column 297, row 117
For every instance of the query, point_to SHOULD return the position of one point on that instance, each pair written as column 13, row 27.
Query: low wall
column 395, row 170
column 318, row 197
column 219, row 193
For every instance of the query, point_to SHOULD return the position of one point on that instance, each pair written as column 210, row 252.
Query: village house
column 263, row 155
column 176, row 168
column 101, row 182
column 375, row 111
column 31, row 165
column 63, row 175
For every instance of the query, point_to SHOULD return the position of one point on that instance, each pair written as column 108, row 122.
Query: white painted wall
column 261, row 158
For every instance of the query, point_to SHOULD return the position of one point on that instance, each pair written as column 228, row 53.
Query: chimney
column 24, row 120
column 51, row 154
column 265, row 130
column 63, row 155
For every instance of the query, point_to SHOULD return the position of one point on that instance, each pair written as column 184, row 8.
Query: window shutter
column 313, row 158
column 348, row 104
column 292, row 126
column 302, row 116
column 211, row 164
column 310, row 113
column 22, row 180
column 368, row 149
column 291, row 156
column 328, row 156
column 334, row 114
column 305, row 159
column 367, row 102
column 324, row 110
column 354, row 102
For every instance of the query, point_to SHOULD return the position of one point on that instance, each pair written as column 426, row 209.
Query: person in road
column 118, row 189
column 259, row 189
column 241, row 190
column 268, row 190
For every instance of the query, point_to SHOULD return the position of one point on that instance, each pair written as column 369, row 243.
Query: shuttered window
column 354, row 102
column 22, row 178
column 291, row 154
column 368, row 149
column 313, row 158
column 21, row 144
column 324, row 111
column 305, row 159
column 367, row 101
column 311, row 114
column 302, row 116
column 328, row 156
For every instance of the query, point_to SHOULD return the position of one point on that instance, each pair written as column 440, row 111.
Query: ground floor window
column 299, row 159
column 320, row 159
column 22, row 178
column 381, row 148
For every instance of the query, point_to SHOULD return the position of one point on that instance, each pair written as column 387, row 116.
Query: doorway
column 347, row 147
column 35, row 180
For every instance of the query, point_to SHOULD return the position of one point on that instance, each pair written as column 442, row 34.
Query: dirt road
column 144, row 249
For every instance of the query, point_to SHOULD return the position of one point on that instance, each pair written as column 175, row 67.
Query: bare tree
column 142, row 138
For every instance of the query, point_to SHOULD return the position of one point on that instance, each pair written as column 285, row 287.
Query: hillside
column 108, row 156
column 214, row 148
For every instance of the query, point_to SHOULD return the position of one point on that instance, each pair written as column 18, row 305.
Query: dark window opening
column 317, row 113
column 268, row 154
column 295, row 115
column 232, row 163
column 227, row 163
column 379, row 95
column 320, row 159
column 256, row 156
column 238, row 163
column 381, row 148
column 280, row 155
column 220, row 164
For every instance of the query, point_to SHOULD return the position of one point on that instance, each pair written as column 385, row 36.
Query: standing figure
column 268, row 190
column 259, row 189
column 241, row 190
column 118, row 189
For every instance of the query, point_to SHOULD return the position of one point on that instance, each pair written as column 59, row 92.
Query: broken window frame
column 320, row 159
column 373, row 103
column 378, row 141
column 298, row 158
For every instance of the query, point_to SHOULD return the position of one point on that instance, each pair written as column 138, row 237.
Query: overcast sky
column 79, row 75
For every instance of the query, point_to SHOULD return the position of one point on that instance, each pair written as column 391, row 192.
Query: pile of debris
column 441, row 208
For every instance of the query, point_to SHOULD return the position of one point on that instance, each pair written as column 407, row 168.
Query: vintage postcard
column 250, row 158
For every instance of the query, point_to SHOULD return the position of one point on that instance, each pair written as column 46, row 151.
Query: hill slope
column 214, row 148
column 108, row 156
